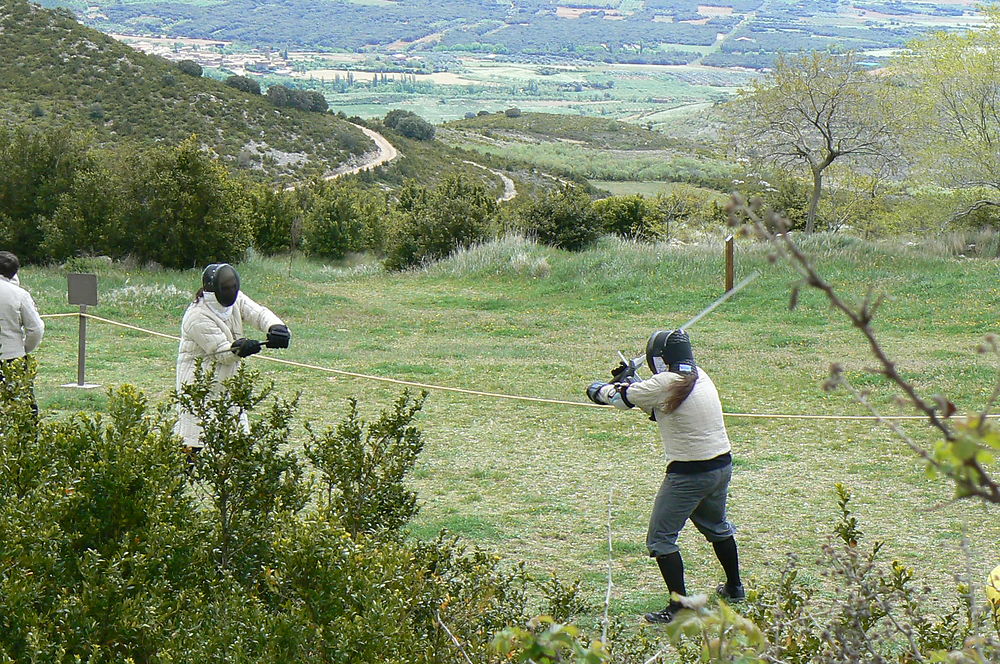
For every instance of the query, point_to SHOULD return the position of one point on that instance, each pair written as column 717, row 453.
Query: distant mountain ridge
column 58, row 72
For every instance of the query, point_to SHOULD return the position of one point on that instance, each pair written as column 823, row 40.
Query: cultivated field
column 532, row 480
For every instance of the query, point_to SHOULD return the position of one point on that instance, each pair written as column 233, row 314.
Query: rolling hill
column 58, row 73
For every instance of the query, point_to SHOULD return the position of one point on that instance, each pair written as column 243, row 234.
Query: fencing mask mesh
column 223, row 280
column 669, row 350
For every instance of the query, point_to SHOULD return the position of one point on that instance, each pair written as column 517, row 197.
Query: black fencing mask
column 223, row 280
column 669, row 350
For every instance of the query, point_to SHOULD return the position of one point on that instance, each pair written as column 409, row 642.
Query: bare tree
column 813, row 110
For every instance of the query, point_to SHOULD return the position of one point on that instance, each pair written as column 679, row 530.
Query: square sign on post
column 82, row 291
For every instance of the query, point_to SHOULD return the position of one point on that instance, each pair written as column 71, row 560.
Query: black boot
column 672, row 569
column 728, row 555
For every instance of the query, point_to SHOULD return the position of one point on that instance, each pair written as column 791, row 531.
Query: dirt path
column 385, row 153
column 509, row 190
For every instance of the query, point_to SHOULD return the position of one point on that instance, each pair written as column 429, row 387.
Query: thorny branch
column 771, row 227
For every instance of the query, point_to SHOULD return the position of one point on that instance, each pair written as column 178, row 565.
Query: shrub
column 563, row 218
column 634, row 217
column 89, row 218
column 362, row 467
column 430, row 224
column 190, row 67
column 108, row 556
column 416, row 128
column 274, row 213
column 332, row 227
column 513, row 112
column 393, row 117
column 97, row 529
column 305, row 100
column 249, row 481
column 244, row 83
column 182, row 208
column 340, row 218
column 39, row 167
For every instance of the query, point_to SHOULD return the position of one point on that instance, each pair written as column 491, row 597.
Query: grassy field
column 653, row 188
column 532, row 480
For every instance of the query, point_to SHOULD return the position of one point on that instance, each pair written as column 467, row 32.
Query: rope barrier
column 495, row 395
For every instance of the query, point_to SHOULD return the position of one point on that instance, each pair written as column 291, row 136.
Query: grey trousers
column 700, row 497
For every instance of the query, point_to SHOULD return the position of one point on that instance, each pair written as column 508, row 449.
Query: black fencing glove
column 623, row 373
column 245, row 347
column 278, row 336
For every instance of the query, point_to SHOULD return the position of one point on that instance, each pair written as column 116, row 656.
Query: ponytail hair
column 681, row 390
column 200, row 294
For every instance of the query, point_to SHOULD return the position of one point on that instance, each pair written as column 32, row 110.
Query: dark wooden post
column 730, row 267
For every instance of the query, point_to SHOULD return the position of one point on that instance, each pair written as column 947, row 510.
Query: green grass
column 531, row 480
column 653, row 188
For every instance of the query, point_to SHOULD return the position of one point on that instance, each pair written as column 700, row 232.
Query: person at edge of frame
column 21, row 328
column 212, row 330
column 683, row 401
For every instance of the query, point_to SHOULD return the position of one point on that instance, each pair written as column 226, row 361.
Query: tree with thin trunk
column 952, row 82
column 813, row 110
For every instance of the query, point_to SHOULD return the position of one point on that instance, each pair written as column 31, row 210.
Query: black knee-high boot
column 729, row 556
column 672, row 568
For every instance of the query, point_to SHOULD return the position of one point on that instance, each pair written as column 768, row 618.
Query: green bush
column 101, row 542
column 251, row 484
column 335, row 220
column 275, row 213
column 182, row 208
column 115, row 549
column 362, row 467
column 244, row 83
column 416, row 128
column 305, row 100
column 393, row 117
column 429, row 224
column 190, row 67
column 634, row 217
column 39, row 168
column 564, row 218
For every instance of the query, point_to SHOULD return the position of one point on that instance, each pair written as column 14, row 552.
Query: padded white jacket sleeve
column 255, row 314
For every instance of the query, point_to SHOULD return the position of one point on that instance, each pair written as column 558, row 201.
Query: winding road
column 384, row 153
column 509, row 190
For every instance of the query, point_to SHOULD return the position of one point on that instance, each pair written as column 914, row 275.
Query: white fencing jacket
column 209, row 328
column 21, row 329
column 696, row 430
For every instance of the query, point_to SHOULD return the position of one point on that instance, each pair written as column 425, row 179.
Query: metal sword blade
column 707, row 310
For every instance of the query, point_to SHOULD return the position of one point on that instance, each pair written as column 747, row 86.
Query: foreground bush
column 113, row 548
column 875, row 613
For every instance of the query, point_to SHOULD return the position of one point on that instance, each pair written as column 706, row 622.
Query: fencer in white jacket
column 213, row 330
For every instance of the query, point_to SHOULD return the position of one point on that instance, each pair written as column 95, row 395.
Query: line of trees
column 177, row 206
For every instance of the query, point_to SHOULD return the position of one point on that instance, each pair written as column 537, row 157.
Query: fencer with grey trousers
column 698, row 461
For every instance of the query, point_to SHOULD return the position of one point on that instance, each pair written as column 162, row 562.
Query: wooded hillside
column 57, row 73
